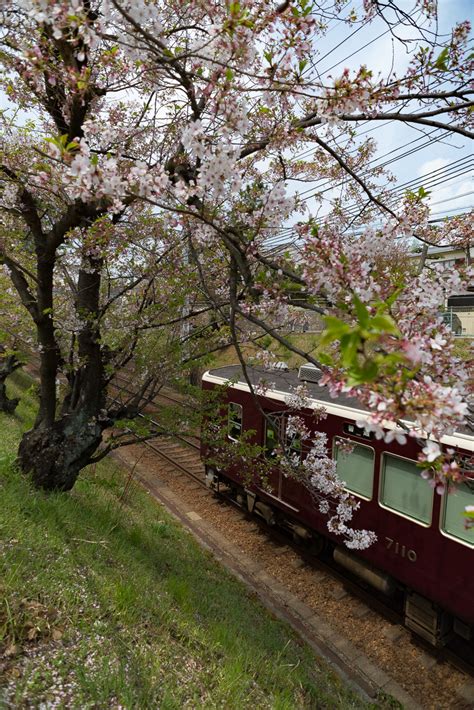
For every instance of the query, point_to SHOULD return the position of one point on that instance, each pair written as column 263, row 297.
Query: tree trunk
column 7, row 405
column 9, row 365
column 53, row 456
column 55, row 450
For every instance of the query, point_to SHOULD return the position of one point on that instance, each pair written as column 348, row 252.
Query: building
column 459, row 308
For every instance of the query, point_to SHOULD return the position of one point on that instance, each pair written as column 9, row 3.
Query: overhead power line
column 429, row 181
column 441, row 178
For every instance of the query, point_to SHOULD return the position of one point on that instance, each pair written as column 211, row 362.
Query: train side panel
column 414, row 552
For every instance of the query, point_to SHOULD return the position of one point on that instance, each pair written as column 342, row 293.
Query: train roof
column 281, row 384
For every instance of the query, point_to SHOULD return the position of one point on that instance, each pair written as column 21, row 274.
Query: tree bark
column 63, row 442
column 7, row 367
column 49, row 350
column 53, row 456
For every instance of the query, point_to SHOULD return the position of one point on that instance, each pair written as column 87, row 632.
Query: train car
column 423, row 553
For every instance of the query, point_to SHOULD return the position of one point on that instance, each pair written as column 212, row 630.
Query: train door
column 288, row 489
column 293, row 491
column 272, row 432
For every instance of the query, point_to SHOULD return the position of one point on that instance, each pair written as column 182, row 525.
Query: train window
column 272, row 435
column 235, row 421
column 275, row 432
column 404, row 490
column 355, row 467
column 453, row 513
column 294, row 445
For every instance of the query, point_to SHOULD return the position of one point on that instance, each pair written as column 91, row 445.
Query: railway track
column 173, row 453
column 189, row 465
column 275, row 553
column 462, row 658
column 171, row 449
column 183, row 454
column 165, row 393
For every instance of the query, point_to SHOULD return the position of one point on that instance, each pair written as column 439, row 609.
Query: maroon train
column 423, row 554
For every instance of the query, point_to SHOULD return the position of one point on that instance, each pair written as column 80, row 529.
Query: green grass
column 110, row 603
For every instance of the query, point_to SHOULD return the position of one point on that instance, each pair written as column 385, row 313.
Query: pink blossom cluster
column 320, row 477
column 90, row 179
column 67, row 18
column 322, row 474
column 429, row 387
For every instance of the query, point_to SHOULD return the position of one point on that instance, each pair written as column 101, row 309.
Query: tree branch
column 354, row 176
column 22, row 287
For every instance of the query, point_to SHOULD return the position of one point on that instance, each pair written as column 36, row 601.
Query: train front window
column 355, row 467
column 235, row 421
column 404, row 490
column 453, row 512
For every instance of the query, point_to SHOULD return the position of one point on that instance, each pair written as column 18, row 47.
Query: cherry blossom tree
column 191, row 116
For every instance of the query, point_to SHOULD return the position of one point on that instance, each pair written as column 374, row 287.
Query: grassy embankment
column 307, row 342
column 107, row 602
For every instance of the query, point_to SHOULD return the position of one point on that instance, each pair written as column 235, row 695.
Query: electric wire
column 394, row 195
column 430, row 180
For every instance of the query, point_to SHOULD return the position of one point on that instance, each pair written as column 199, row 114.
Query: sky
column 433, row 159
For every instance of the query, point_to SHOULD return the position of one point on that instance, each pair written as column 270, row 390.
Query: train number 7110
column 401, row 550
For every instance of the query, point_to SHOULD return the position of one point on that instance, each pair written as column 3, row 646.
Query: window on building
column 404, row 490
column 235, row 421
column 355, row 467
column 447, row 263
column 453, row 512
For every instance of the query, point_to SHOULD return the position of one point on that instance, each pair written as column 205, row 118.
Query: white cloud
column 431, row 166
column 452, row 197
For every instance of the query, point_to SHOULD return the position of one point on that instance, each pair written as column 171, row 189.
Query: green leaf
column 361, row 311
column 390, row 300
column 370, row 370
column 325, row 359
column 384, row 324
column 423, row 193
column 335, row 328
column 349, row 345
column 361, row 375
column 441, row 61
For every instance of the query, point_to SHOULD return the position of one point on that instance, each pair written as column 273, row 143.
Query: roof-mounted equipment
column 309, row 373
